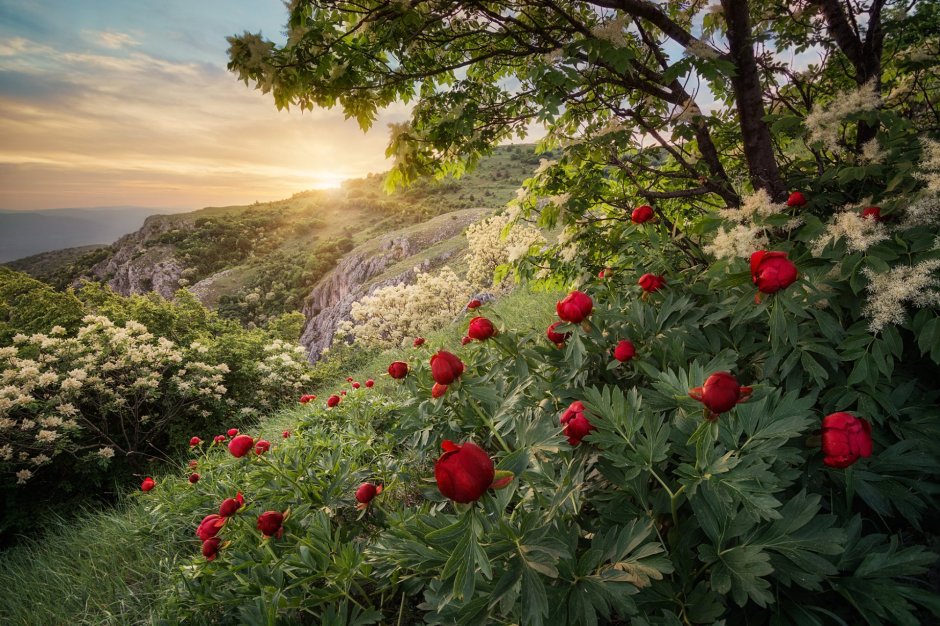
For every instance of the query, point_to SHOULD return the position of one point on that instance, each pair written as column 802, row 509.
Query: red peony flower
column 370, row 383
column 210, row 526
column 474, row 304
column 463, row 472
column 232, row 432
column 651, row 282
column 845, row 438
column 446, row 367
column 720, row 393
column 465, row 340
column 332, row 401
column 642, row 214
column 556, row 338
column 218, row 438
column 210, row 548
column 262, row 446
column 194, row 478
column 195, row 441
column 772, row 271
column 271, row 524
column 366, row 493
column 398, row 370
column 481, row 329
column 148, row 484
column 872, row 212
column 231, row 506
column 576, row 306
column 796, row 199
column 438, row 390
column 576, row 423
column 356, row 385
column 419, row 341
column 307, row 397
column 624, row 351
column 286, row 434
column 240, row 445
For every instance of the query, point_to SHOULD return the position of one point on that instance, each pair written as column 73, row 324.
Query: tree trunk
column 758, row 145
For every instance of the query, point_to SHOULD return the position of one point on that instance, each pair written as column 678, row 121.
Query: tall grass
column 116, row 565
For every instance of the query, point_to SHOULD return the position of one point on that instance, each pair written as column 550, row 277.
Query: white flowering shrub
column 494, row 242
column 117, row 395
column 394, row 315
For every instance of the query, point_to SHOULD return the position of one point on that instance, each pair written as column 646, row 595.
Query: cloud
column 112, row 40
column 119, row 125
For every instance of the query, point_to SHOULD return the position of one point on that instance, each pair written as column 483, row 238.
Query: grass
column 117, row 565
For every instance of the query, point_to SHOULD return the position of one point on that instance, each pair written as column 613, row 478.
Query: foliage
column 28, row 306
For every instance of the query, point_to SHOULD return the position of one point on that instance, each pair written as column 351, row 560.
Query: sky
column 119, row 102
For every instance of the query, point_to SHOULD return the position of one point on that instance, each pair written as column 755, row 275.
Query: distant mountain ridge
column 28, row 233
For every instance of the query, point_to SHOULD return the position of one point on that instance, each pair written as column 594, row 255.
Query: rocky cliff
column 387, row 260
column 138, row 265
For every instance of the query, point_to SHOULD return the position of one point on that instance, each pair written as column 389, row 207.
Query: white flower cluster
column 749, row 231
column 612, row 31
column 859, row 233
column 929, row 168
column 393, row 315
column 283, row 370
column 889, row 291
column 494, row 242
column 824, row 123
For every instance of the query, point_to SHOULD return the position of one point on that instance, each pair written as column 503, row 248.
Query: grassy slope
column 114, row 565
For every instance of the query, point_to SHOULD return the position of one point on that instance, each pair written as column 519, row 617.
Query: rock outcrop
column 138, row 265
column 377, row 264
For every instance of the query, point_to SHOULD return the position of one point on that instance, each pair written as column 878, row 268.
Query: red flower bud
column 465, row 340
column 270, row 523
column 720, row 393
column 796, row 199
column 193, row 463
column 307, row 397
column 481, row 329
column 349, row 379
column 148, row 484
column 463, row 472
column 446, row 367
column 194, row 478
column 872, row 212
column 218, row 438
column 370, row 383
column 286, row 434
column 230, row 506
column 366, row 493
column 624, row 351
column 438, row 390
column 240, row 445
column 651, row 282
column 262, row 446
column 195, row 441
column 556, row 338
column 210, row 526
column 474, row 304
column 772, row 271
column 332, row 401
column 210, row 548
column 398, row 370
column 576, row 306
column 576, row 423
column 845, row 438
column 343, row 392
column 642, row 214
column 232, row 432
column 419, row 341
column 356, row 385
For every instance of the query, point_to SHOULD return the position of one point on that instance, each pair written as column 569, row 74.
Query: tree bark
column 758, row 144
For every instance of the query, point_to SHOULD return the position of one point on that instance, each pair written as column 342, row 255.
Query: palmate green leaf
column 764, row 425
column 740, row 571
column 534, row 599
column 798, row 539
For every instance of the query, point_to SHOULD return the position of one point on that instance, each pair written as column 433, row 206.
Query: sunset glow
column 107, row 103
